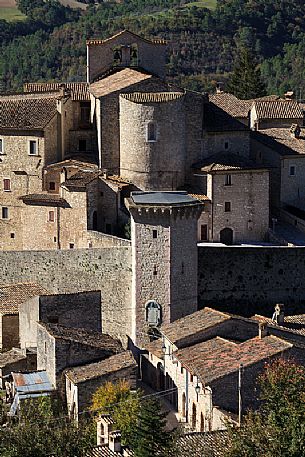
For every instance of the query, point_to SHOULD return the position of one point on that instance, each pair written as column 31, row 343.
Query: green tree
column 150, row 439
column 44, row 430
column 245, row 81
column 278, row 427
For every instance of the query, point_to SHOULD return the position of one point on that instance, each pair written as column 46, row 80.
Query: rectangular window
column 71, row 245
column 51, row 216
column 85, row 108
column 228, row 180
column 204, row 232
column 4, row 212
column 82, row 145
column 1, row 146
column 151, row 132
column 12, row 235
column 155, row 234
column 52, row 185
column 33, row 147
column 292, row 170
column 227, row 207
column 6, row 185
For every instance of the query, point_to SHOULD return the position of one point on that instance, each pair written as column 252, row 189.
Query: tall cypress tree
column 245, row 81
column 150, row 437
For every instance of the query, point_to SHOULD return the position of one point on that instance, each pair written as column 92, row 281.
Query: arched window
column 151, row 132
column 153, row 313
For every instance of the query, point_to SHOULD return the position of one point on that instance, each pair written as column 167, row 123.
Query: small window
column 6, row 185
column 155, row 234
column 82, row 145
column 1, row 146
column 155, row 270
column 52, row 185
column 182, row 268
column 292, row 170
column 4, row 212
column 227, row 207
column 85, row 108
column 55, row 239
column 51, row 216
column 151, row 132
column 12, row 235
column 181, row 369
column 228, row 180
column 226, row 145
column 33, row 147
column 71, row 245
column 191, row 378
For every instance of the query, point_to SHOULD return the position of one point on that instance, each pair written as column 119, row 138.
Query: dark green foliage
column 43, row 430
column 245, row 81
column 150, row 439
column 278, row 427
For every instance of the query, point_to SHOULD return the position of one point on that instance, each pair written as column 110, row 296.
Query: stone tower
column 153, row 139
column 164, row 259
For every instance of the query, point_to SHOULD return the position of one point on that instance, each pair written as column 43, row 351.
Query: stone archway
column 226, row 236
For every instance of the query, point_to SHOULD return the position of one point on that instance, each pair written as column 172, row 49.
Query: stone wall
column 237, row 143
column 9, row 331
column 105, row 269
column 249, row 280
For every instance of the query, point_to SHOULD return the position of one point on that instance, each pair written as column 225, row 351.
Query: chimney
column 115, row 441
column 279, row 315
column 289, row 95
column 219, row 87
column 262, row 330
column 295, row 131
column 104, row 425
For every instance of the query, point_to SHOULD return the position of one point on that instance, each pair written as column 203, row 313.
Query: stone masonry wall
column 249, row 280
column 68, row 271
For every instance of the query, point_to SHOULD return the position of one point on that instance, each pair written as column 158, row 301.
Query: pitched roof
column 225, row 161
column 112, row 364
column 13, row 295
column 122, row 32
column 295, row 324
column 231, row 104
column 218, row 120
column 77, row 163
column 278, row 109
column 180, row 331
column 202, row 444
column 44, row 199
column 25, row 113
column 83, row 336
column 10, row 357
column 280, row 140
column 153, row 97
column 117, row 81
column 79, row 90
column 104, row 451
column 81, row 179
column 216, row 358
column 201, row 197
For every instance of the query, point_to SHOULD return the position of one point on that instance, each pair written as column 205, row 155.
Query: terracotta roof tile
column 81, row 179
column 91, row 42
column 112, row 364
column 12, row 356
column 202, row 444
column 152, row 97
column 225, row 161
column 79, row 90
column 201, row 197
column 83, row 336
column 44, row 199
column 12, row 295
column 231, row 104
column 104, row 451
column 117, row 81
column 218, row 357
column 26, row 113
column 295, row 324
column 218, row 120
column 278, row 109
column 280, row 139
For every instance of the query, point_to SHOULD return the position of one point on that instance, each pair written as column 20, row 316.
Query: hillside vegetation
column 203, row 41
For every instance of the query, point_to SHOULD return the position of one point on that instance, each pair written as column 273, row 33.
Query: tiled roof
column 280, row 139
column 202, row 444
column 12, row 295
column 25, row 113
column 295, row 324
column 104, row 451
column 83, row 336
column 152, row 97
column 97, row 42
column 117, row 81
column 225, row 161
column 201, row 197
column 10, row 357
column 72, row 163
column 44, row 199
column 179, row 331
column 278, row 109
column 231, row 104
column 112, row 364
column 81, row 179
column 79, row 90
column 218, row 357
column 218, row 120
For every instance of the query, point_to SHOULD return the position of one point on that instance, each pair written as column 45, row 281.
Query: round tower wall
column 153, row 163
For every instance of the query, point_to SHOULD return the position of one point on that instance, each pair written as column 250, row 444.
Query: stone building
column 60, row 347
column 82, row 381
column 199, row 358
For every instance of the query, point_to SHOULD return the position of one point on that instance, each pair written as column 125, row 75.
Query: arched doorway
column 94, row 220
column 194, row 416
column 226, row 236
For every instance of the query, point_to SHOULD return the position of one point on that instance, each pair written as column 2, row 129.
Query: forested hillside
column 203, row 42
